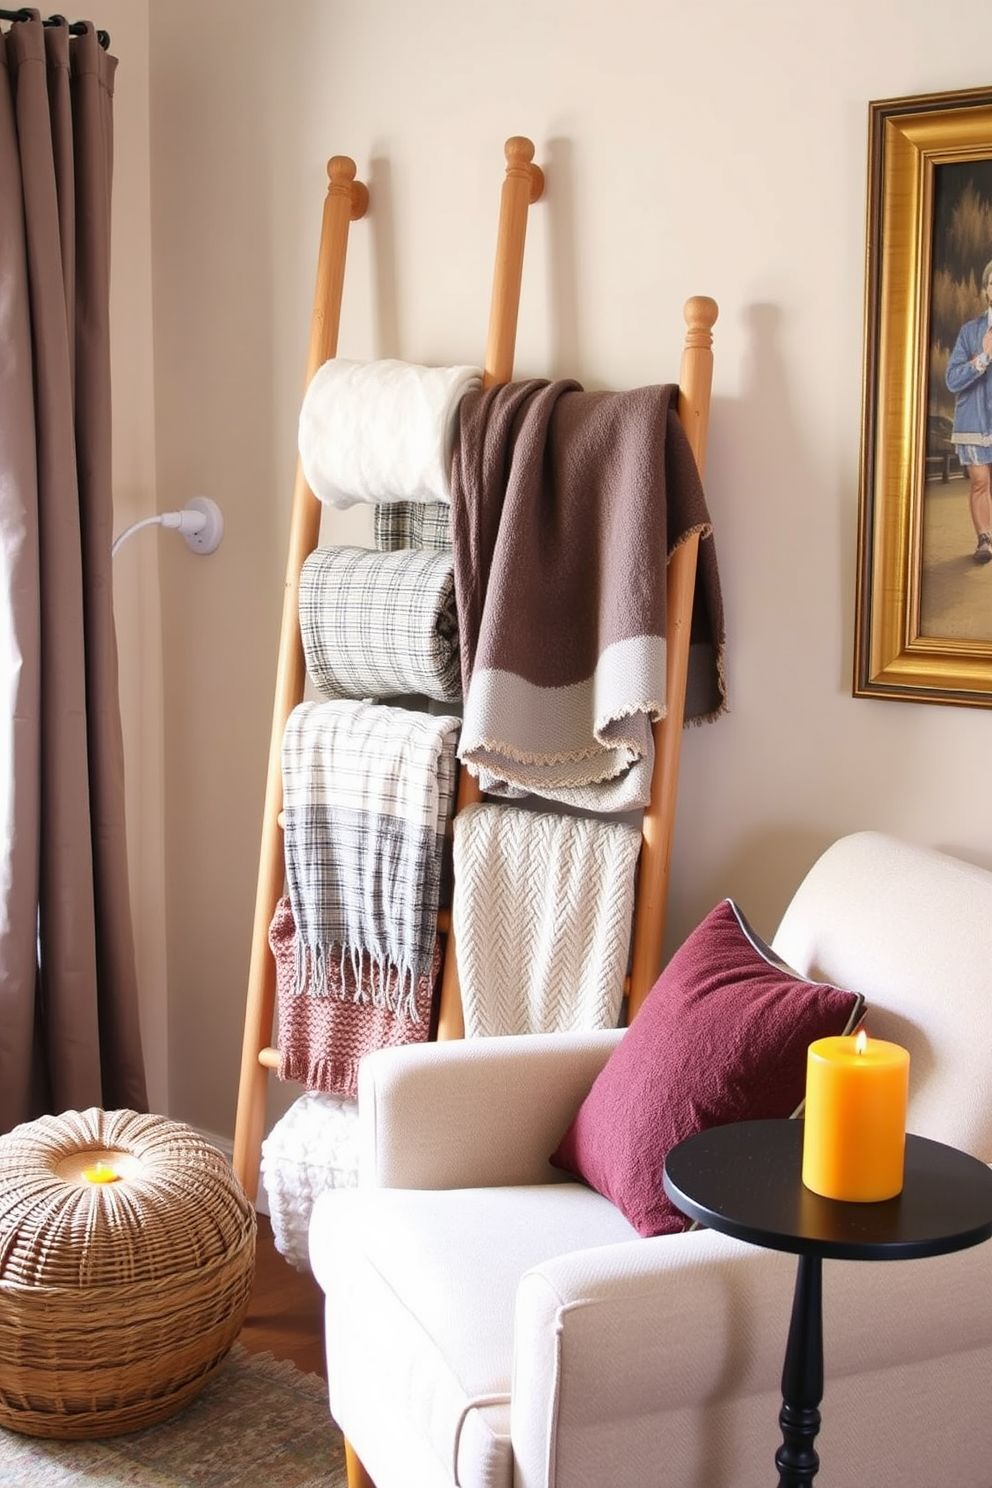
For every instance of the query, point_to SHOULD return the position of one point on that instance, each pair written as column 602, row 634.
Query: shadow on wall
column 767, row 868
column 780, row 480
column 767, row 499
column 761, row 875
column 557, row 201
column 770, row 507
column 382, row 235
column 562, row 274
column 810, row 499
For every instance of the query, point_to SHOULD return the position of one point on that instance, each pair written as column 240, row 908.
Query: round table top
column 746, row 1180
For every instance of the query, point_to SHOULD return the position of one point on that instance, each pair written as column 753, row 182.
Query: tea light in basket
column 854, row 1138
column 100, row 1173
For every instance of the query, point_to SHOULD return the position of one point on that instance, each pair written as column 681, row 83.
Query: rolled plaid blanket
column 380, row 625
column 413, row 524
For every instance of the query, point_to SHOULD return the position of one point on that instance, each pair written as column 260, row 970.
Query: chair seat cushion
column 420, row 1297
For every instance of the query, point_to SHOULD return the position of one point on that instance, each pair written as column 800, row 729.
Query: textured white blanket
column 542, row 913
column 381, row 431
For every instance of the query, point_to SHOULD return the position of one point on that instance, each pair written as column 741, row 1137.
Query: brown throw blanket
column 565, row 507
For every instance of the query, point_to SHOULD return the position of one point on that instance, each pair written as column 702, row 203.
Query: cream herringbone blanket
column 542, row 914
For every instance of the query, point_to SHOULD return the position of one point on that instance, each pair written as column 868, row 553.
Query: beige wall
column 715, row 148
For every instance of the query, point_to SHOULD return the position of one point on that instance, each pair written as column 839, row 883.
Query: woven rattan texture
column 118, row 1300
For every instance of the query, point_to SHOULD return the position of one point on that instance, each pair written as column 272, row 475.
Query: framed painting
column 923, row 626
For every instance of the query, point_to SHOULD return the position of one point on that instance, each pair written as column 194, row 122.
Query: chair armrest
column 618, row 1346
column 473, row 1113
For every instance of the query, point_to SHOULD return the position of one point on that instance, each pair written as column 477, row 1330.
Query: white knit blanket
column 312, row 1148
column 381, row 431
column 542, row 913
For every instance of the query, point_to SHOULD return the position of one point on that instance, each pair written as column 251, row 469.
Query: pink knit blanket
column 322, row 1039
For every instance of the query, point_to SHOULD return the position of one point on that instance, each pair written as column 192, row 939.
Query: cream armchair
column 491, row 1323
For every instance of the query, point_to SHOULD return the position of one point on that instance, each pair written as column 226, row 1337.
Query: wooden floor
column 285, row 1315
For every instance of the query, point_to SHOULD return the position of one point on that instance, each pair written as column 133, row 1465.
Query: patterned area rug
column 257, row 1422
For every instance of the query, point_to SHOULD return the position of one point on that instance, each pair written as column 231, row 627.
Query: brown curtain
column 69, row 1035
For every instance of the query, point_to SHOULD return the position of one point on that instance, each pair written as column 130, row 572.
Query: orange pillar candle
column 854, row 1138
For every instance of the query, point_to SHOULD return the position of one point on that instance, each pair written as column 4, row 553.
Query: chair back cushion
column 911, row 929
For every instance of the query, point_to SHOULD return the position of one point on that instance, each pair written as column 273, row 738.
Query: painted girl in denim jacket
column 970, row 380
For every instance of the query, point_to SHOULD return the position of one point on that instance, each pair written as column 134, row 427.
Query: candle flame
column 861, row 1042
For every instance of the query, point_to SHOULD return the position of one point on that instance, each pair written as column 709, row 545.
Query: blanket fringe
column 377, row 982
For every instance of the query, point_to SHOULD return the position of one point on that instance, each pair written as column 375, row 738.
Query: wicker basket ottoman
column 127, row 1254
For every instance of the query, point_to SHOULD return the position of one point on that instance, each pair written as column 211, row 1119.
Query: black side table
column 746, row 1180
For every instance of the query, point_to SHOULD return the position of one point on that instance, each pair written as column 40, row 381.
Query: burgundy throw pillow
column 722, row 1036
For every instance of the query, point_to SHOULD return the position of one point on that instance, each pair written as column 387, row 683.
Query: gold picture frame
column 923, row 627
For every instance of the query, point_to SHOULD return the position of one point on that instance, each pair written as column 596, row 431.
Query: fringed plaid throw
column 323, row 1040
column 367, row 793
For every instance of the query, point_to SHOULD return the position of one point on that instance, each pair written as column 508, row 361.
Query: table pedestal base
column 802, row 1379
column 744, row 1179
